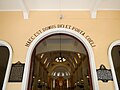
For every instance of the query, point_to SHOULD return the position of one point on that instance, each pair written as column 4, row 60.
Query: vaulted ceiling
column 72, row 62
column 59, row 51
column 44, row 5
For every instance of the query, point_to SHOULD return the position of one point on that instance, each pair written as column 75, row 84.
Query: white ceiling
column 41, row 5
column 54, row 43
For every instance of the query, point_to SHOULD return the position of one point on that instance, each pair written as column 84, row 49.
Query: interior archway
column 61, row 31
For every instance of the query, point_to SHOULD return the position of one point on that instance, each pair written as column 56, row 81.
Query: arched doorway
column 114, row 55
column 59, row 72
column 5, row 63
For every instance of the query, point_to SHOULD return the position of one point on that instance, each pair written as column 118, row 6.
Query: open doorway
column 5, row 63
column 60, row 62
column 4, row 57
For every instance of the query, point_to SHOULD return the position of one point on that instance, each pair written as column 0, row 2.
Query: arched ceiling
column 49, row 51
column 45, row 5
column 73, row 60
column 53, row 44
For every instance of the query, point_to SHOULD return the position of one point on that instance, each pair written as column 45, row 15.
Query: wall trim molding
column 4, row 43
column 64, row 31
column 111, row 63
column 19, row 10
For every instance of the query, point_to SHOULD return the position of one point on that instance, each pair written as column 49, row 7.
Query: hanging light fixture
column 60, row 58
column 61, row 16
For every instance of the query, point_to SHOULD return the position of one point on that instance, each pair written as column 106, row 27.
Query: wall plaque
column 104, row 74
column 16, row 73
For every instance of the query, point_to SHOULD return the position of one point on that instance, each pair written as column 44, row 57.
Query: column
column 53, row 83
column 67, row 83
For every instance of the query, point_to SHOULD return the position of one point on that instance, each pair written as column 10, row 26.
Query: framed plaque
column 104, row 74
column 16, row 73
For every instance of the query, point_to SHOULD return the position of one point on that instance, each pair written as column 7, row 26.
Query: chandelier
column 60, row 58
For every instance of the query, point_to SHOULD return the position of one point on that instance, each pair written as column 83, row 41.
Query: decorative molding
column 3, row 43
column 56, row 31
column 24, row 9
column 93, row 14
column 94, row 8
column 99, row 9
column 111, row 63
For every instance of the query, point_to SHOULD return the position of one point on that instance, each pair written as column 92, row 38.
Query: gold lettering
column 37, row 33
column 83, row 33
column 73, row 28
column 40, row 31
column 44, row 29
column 77, row 30
column 68, row 26
column 90, row 41
column 32, row 38
column 60, row 25
column 49, row 27
column 93, row 45
column 87, row 37
column 28, row 42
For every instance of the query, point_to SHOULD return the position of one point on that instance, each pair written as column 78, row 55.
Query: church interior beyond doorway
column 60, row 62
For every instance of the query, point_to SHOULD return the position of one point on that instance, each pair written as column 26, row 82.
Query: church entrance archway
column 60, row 59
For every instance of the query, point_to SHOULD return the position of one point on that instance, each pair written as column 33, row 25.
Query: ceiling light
column 62, row 74
column 64, row 59
column 82, row 80
column 54, row 74
column 58, row 74
column 39, row 80
column 66, row 73
column 79, row 55
column 45, row 61
column 75, row 60
column 60, row 59
column 47, row 65
column 87, row 76
column 42, row 56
